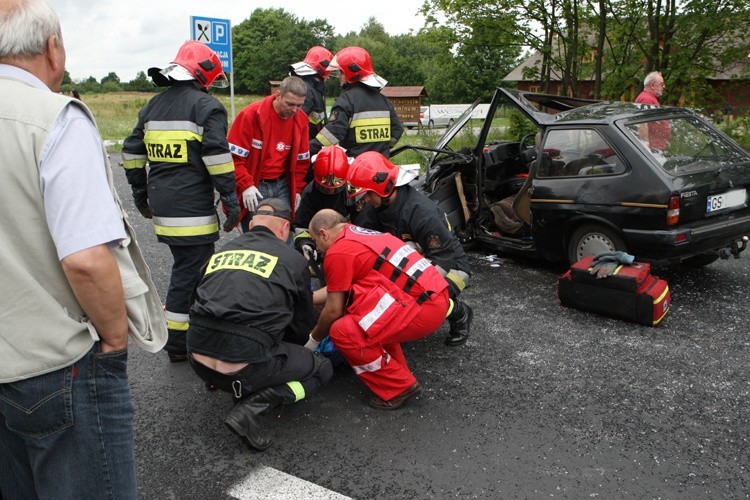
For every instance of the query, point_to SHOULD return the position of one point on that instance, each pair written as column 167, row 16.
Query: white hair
column 650, row 78
column 25, row 28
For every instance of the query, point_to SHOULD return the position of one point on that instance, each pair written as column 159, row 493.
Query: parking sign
column 217, row 34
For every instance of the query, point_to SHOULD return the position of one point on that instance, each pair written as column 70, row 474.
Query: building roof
column 406, row 91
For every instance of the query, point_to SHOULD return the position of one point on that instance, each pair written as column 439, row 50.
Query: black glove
column 231, row 209
column 140, row 198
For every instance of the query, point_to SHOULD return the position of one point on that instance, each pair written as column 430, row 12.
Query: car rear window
column 686, row 145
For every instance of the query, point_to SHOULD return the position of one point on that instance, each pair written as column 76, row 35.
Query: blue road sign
column 217, row 34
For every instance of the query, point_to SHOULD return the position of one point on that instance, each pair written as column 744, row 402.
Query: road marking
column 267, row 483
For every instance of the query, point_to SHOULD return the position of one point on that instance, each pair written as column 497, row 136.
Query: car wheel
column 431, row 124
column 701, row 260
column 592, row 239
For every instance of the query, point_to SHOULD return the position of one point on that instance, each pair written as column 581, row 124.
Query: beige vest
column 42, row 326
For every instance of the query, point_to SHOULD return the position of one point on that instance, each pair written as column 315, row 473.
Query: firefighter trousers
column 188, row 261
column 382, row 366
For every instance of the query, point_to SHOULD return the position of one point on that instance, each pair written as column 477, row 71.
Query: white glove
column 297, row 200
column 251, row 197
column 309, row 252
column 312, row 344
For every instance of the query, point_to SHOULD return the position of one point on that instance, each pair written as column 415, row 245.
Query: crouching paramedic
column 381, row 292
column 251, row 315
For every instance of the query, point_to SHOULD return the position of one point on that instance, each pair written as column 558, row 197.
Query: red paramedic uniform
column 395, row 295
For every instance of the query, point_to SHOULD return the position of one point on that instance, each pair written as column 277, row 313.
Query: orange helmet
column 319, row 59
column 371, row 171
column 330, row 169
column 354, row 62
column 202, row 63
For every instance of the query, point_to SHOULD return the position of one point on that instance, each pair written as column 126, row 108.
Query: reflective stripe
column 451, row 305
column 257, row 144
column 371, row 122
column 404, row 252
column 133, row 164
column 459, row 278
column 326, row 138
column 177, row 125
column 238, row 151
column 219, row 164
column 420, row 265
column 303, row 233
column 371, row 317
column 297, row 389
column 177, row 321
column 303, row 156
column 369, row 367
column 156, row 136
column 129, row 156
column 186, row 226
column 366, row 115
column 316, row 117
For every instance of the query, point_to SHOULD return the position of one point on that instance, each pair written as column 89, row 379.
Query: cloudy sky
column 128, row 36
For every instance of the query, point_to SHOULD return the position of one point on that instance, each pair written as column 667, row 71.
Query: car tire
column 431, row 124
column 701, row 260
column 591, row 239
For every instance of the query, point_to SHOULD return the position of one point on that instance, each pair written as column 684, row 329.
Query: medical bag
column 631, row 292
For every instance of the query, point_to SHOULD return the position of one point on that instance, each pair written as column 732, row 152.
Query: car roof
column 562, row 109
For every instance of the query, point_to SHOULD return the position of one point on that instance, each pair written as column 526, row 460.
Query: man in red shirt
column 656, row 134
column 271, row 149
column 380, row 292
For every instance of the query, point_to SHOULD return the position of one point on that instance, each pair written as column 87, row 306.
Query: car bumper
column 686, row 241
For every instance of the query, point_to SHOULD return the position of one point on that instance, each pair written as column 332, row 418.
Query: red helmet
column 371, row 171
column 354, row 62
column 319, row 59
column 201, row 62
column 330, row 169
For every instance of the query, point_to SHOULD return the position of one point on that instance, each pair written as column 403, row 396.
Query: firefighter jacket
column 181, row 134
column 313, row 200
column 315, row 104
column 362, row 119
column 254, row 292
column 249, row 147
column 389, row 296
column 412, row 216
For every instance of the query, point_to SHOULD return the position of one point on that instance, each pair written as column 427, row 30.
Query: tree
column 267, row 43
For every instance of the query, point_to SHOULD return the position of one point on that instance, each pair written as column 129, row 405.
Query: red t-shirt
column 658, row 132
column 279, row 146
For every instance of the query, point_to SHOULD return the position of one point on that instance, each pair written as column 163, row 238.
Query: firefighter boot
column 243, row 419
column 460, row 324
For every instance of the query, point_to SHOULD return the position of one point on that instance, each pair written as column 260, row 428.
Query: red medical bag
column 631, row 292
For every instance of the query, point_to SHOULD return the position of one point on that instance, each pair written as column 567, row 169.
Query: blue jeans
column 69, row 433
column 277, row 188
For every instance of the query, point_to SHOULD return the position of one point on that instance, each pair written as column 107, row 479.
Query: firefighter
column 252, row 313
column 362, row 119
column 381, row 292
column 326, row 191
column 314, row 70
column 181, row 134
column 408, row 214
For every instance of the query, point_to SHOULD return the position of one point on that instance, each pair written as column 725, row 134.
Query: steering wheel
column 523, row 147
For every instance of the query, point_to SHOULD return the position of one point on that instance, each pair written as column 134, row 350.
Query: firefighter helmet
column 330, row 169
column 354, row 62
column 371, row 171
column 319, row 59
column 202, row 63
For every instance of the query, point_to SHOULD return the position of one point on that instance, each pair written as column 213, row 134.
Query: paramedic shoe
column 460, row 324
column 243, row 421
column 398, row 401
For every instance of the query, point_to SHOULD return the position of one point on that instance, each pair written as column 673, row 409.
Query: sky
column 128, row 36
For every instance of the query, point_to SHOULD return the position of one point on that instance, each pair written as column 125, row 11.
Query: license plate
column 729, row 199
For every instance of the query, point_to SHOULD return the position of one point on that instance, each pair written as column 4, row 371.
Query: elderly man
column 381, row 292
column 271, row 148
column 655, row 134
column 79, row 283
column 252, row 312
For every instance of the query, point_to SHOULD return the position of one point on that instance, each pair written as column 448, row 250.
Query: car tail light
column 680, row 238
column 673, row 210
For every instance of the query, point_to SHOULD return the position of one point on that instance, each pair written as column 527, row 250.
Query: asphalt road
column 542, row 401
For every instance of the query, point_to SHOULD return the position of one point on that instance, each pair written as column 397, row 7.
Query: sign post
column 217, row 34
